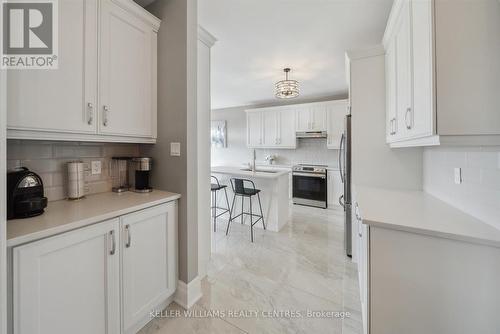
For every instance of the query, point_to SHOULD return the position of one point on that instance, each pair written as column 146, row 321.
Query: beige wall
column 177, row 55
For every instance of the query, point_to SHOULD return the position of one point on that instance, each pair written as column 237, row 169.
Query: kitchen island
column 274, row 195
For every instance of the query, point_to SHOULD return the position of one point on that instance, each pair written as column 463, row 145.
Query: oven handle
column 322, row 176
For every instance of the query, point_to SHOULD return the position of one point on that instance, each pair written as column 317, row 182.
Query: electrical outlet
column 175, row 149
column 458, row 175
column 96, row 167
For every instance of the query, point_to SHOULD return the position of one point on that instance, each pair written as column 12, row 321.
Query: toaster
column 25, row 196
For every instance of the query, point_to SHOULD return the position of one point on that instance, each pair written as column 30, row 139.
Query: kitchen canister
column 76, row 180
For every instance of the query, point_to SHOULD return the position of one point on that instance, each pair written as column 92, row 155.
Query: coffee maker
column 25, row 196
column 139, row 173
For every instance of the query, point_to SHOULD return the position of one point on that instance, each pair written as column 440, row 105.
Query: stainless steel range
column 309, row 185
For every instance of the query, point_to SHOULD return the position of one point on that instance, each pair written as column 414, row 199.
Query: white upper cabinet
column 303, row 120
column 443, row 89
column 391, row 101
column 276, row 127
column 69, row 283
column 126, row 72
column 318, row 117
column 271, row 128
column 403, row 70
column 287, row 138
column 311, row 117
column 335, row 115
column 270, row 124
column 254, row 129
column 63, row 99
column 105, row 86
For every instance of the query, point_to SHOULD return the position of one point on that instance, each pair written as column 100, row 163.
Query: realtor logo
column 29, row 34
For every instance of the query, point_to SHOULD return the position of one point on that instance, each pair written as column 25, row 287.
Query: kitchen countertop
column 238, row 171
column 62, row 216
column 420, row 212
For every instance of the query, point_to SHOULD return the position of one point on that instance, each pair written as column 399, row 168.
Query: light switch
column 458, row 175
column 175, row 149
column 96, row 167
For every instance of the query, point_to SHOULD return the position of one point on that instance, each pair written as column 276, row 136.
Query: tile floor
column 302, row 268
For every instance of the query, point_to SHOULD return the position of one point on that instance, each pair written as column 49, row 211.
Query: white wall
column 479, row 193
column 236, row 152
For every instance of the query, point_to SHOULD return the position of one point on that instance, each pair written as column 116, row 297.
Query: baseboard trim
column 188, row 294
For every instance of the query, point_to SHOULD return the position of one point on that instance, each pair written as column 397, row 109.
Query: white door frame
column 204, row 198
column 3, row 200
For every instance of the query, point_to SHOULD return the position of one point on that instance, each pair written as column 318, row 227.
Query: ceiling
column 256, row 39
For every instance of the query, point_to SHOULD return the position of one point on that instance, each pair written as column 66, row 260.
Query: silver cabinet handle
column 408, row 125
column 127, row 230
column 90, row 113
column 113, row 240
column 105, row 115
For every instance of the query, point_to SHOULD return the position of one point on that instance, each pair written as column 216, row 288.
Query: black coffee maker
column 25, row 197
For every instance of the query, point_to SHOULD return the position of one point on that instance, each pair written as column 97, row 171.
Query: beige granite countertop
column 420, row 212
column 62, row 216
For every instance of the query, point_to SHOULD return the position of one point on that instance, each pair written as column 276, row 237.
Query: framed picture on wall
column 218, row 134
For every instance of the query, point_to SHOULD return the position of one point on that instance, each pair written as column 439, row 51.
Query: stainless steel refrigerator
column 345, row 174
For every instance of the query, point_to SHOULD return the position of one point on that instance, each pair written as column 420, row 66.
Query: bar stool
column 239, row 190
column 215, row 187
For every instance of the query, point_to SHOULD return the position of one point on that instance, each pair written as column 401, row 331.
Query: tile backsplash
column 479, row 192
column 48, row 159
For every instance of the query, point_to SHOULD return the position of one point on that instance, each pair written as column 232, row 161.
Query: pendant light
column 287, row 89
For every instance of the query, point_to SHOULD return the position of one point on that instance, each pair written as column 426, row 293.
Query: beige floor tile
column 302, row 268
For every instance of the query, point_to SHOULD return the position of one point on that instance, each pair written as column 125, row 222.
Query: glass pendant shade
column 287, row 89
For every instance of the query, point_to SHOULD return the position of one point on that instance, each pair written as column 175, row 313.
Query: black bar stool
column 215, row 187
column 239, row 190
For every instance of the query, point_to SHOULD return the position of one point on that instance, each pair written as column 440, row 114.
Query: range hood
column 311, row 134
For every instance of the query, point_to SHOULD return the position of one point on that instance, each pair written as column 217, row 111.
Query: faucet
column 270, row 159
column 253, row 160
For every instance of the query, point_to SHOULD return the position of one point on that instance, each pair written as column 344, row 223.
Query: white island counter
column 274, row 186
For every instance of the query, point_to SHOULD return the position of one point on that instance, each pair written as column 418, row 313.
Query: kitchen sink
column 259, row 170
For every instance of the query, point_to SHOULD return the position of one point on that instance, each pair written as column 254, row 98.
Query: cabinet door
column 270, row 128
column 338, row 187
column 64, row 99
column 287, row 137
column 126, row 70
column 391, row 94
column 303, row 119
column 254, row 129
column 423, row 112
column 149, row 255
column 318, row 117
column 335, row 118
column 68, row 283
column 404, row 72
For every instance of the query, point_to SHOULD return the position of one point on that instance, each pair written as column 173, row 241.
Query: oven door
column 309, row 189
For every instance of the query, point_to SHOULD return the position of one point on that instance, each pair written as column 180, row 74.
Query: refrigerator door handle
column 341, row 201
column 342, row 140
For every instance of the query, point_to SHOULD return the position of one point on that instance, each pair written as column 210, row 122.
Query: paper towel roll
column 76, row 180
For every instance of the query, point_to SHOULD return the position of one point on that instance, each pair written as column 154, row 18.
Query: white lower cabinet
column 335, row 188
column 101, row 279
column 148, row 267
column 69, row 283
